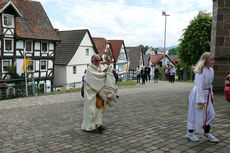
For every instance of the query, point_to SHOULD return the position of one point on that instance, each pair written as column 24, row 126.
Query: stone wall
column 220, row 42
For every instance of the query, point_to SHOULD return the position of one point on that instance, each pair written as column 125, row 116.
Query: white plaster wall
column 51, row 46
column 48, row 86
column 37, row 65
column 43, row 74
column 60, row 75
column 50, row 64
column 71, row 78
column 80, row 56
column 37, row 46
column 19, row 44
column 36, row 53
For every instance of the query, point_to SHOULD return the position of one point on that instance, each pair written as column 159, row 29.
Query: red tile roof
column 100, row 44
column 34, row 22
column 162, row 50
column 175, row 60
column 116, row 48
column 156, row 58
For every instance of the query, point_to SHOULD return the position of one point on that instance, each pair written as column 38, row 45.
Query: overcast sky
column 134, row 21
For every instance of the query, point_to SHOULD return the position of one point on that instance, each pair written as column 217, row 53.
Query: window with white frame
column 87, row 52
column 43, row 65
column 44, row 46
column 74, row 70
column 31, row 66
column 8, row 45
column 5, row 64
column 8, row 20
column 29, row 46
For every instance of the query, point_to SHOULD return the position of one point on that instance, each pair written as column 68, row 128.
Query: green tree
column 173, row 51
column 11, row 70
column 196, row 39
column 143, row 48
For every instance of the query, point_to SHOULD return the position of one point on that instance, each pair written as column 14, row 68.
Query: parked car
column 227, row 88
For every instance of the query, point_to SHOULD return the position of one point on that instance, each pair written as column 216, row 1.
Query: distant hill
column 170, row 47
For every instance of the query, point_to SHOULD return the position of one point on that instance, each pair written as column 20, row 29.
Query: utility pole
column 165, row 15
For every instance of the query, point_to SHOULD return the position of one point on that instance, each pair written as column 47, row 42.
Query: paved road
column 147, row 118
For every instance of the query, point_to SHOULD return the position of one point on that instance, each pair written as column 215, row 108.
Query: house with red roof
column 27, row 31
column 103, row 45
column 160, row 59
column 120, row 58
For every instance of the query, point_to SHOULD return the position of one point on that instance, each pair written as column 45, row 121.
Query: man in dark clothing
column 181, row 73
column 143, row 75
column 115, row 76
column 147, row 72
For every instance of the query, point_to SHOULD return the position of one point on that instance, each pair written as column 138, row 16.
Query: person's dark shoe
column 100, row 129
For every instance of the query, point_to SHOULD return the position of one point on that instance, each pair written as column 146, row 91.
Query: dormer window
column 8, row 20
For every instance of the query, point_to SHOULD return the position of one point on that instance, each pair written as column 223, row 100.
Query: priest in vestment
column 98, row 84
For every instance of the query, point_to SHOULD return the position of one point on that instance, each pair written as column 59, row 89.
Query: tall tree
column 195, row 39
column 143, row 48
column 173, row 51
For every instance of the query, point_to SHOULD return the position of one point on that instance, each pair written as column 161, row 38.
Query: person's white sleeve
column 199, row 83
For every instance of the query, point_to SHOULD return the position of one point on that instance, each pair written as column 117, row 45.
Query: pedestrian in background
column 169, row 73
column 143, row 75
column 147, row 72
column 82, row 84
column 181, row 73
column 115, row 75
column 172, row 74
column 156, row 74
column 201, row 112
column 166, row 73
column 138, row 72
column 116, row 79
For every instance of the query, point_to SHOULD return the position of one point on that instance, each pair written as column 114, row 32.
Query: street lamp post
column 165, row 15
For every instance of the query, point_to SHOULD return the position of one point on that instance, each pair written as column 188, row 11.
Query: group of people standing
column 143, row 73
column 170, row 73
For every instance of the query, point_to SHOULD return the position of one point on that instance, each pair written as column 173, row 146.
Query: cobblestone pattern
column 147, row 118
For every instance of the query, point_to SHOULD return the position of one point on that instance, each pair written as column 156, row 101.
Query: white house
column 162, row 51
column 150, row 51
column 72, row 57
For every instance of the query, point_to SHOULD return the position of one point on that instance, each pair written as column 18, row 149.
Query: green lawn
column 126, row 83
column 123, row 83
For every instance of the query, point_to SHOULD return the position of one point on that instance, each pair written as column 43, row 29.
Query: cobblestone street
column 147, row 118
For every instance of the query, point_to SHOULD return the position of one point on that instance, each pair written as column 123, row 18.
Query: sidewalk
column 147, row 118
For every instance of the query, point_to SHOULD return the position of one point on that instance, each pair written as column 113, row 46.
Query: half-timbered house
column 26, row 32
column 120, row 58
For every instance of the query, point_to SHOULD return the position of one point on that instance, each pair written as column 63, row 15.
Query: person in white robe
column 97, row 83
column 201, row 112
